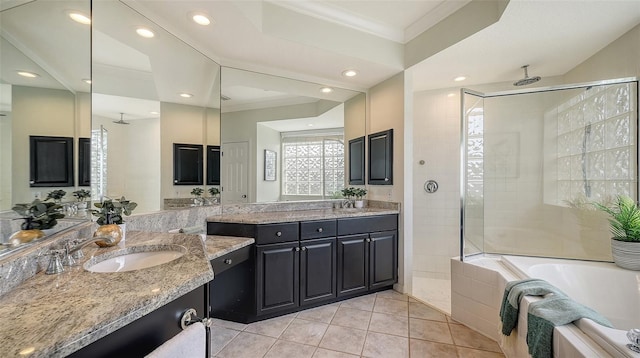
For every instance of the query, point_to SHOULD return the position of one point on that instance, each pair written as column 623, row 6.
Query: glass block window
column 313, row 165
column 596, row 151
column 98, row 163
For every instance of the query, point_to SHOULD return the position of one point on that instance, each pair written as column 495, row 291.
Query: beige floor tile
column 220, row 336
column 426, row 349
column 326, row 353
column 351, row 317
column 379, row 345
column 364, row 303
column 229, row 324
column 305, row 332
column 247, row 345
column 390, row 324
column 429, row 330
column 343, row 339
column 452, row 321
column 476, row 353
column 411, row 299
column 466, row 337
column 392, row 295
column 422, row 311
column 319, row 314
column 285, row 349
column 385, row 305
column 271, row 327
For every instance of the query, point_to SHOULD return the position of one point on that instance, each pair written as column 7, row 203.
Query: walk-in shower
column 534, row 160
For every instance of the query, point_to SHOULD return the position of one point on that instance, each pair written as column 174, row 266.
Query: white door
column 234, row 173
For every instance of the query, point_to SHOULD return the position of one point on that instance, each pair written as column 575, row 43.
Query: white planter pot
column 626, row 254
column 359, row 204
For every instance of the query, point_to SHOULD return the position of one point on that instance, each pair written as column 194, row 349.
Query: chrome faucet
column 72, row 251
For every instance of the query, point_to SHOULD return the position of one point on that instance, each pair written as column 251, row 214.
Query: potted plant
column 56, row 195
column 38, row 216
column 81, row 197
column 625, row 227
column 359, row 193
column 215, row 194
column 109, row 214
column 197, row 193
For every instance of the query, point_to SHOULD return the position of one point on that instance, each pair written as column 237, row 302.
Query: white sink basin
column 134, row 258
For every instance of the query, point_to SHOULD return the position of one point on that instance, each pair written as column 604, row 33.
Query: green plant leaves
column 625, row 219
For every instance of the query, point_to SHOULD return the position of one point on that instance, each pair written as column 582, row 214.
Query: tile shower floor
column 385, row 324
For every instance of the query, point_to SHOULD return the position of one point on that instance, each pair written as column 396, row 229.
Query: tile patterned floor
column 386, row 325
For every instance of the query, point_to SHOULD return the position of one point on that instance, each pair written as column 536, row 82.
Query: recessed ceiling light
column 326, row 89
column 460, row 78
column 451, row 95
column 310, row 125
column 80, row 17
column 87, row 80
column 349, row 73
column 154, row 113
column 144, row 32
column 201, row 19
column 186, row 95
column 28, row 74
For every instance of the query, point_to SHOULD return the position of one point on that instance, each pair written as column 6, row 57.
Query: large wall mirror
column 148, row 93
column 44, row 91
column 306, row 125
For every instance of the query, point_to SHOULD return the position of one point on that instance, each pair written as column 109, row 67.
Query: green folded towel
column 550, row 312
column 514, row 292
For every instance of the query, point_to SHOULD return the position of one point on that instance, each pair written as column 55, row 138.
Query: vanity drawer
column 225, row 262
column 317, row 229
column 274, row 233
column 359, row 225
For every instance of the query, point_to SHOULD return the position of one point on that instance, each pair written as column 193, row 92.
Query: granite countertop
column 55, row 315
column 216, row 246
column 299, row 215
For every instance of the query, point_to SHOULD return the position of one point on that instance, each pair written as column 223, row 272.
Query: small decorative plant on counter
column 38, row 216
column 624, row 223
column 197, row 193
column 81, row 196
column 56, row 195
column 355, row 195
column 215, row 194
column 109, row 214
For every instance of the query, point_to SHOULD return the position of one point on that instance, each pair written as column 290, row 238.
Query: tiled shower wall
column 436, row 138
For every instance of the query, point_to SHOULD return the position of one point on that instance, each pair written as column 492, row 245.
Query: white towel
column 191, row 342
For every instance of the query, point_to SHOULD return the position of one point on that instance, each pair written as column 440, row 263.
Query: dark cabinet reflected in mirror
column 187, row 164
column 381, row 158
column 84, row 161
column 356, row 161
column 213, row 165
column 51, row 161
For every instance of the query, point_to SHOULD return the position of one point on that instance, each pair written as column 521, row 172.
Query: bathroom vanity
column 302, row 259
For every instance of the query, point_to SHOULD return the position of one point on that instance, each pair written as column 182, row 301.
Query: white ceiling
column 330, row 36
column 313, row 41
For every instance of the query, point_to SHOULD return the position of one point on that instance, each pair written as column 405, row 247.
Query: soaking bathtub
column 612, row 291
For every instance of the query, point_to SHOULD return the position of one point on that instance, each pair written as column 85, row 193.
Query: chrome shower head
column 526, row 80
column 121, row 121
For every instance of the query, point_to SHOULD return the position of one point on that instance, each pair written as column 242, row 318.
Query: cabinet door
column 383, row 259
column 277, row 277
column 353, row 264
column 317, row 270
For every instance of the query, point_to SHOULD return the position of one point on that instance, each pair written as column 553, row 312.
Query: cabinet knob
column 368, row 240
column 175, row 181
column 304, row 248
column 320, row 229
column 228, row 261
column 279, row 233
column 297, row 249
column 386, row 179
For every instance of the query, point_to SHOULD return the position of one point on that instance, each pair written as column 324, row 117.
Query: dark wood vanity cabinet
column 277, row 281
column 367, row 254
column 305, row 264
